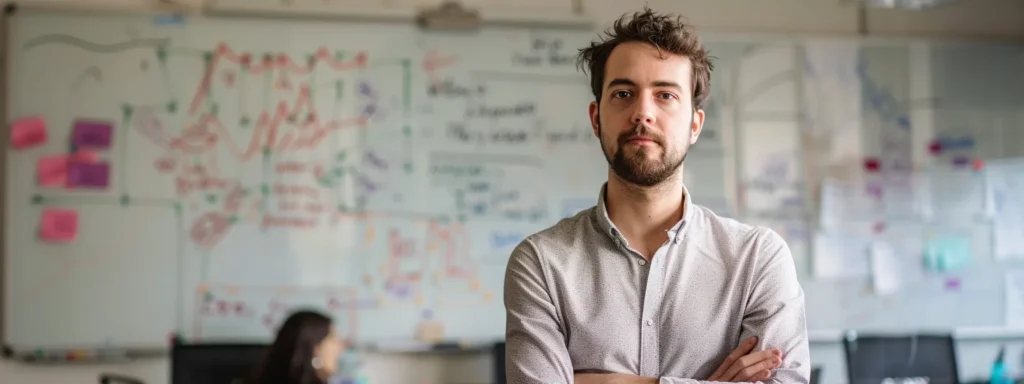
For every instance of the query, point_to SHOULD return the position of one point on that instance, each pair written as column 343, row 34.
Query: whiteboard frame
column 580, row 19
column 105, row 7
column 816, row 336
column 4, row 27
column 404, row 13
column 960, row 334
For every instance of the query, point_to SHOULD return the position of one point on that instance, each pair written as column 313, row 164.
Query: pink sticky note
column 58, row 225
column 28, row 132
column 85, row 156
column 52, row 170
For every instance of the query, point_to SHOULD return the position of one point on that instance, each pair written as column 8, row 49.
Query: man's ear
column 696, row 125
column 595, row 115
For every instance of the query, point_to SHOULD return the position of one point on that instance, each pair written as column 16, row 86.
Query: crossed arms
column 536, row 351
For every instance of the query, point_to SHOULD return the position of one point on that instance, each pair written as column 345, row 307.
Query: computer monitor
column 215, row 363
column 877, row 359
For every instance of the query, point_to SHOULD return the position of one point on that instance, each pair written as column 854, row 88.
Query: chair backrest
column 113, row 378
column 816, row 375
column 215, row 363
column 498, row 359
column 871, row 359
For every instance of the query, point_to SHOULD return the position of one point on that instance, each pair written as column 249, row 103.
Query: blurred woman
column 305, row 351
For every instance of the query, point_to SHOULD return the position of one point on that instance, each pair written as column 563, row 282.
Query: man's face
column 645, row 120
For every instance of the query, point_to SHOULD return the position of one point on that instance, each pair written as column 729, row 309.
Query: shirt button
column 641, row 262
column 650, row 323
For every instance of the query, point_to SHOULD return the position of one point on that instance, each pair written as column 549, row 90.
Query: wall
column 990, row 19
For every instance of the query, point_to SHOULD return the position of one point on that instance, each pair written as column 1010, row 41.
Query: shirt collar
column 606, row 225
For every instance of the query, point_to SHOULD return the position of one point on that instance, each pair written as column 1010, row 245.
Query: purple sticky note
column 88, row 175
column 952, row 284
column 92, row 134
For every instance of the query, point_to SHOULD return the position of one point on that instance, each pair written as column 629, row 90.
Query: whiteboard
column 388, row 184
column 375, row 171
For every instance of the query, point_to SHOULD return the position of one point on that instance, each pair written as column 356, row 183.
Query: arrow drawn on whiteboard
column 91, row 72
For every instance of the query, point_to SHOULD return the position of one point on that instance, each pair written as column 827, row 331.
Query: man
column 648, row 287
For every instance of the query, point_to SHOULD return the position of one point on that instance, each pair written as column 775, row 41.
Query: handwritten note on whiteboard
column 841, row 256
column 953, row 194
column 886, row 274
column 846, row 202
column 1007, row 238
column 771, row 177
column 1005, row 206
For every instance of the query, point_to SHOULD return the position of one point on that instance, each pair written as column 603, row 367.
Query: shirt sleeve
column 775, row 314
column 535, row 350
column 775, row 311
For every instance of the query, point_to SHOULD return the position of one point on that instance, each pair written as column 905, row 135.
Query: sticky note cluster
column 82, row 167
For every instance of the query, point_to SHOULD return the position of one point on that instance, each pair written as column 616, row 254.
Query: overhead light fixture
column 908, row 4
column 449, row 15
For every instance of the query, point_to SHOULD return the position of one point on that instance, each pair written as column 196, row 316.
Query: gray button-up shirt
column 578, row 298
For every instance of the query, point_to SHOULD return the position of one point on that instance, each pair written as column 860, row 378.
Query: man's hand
column 743, row 366
column 612, row 378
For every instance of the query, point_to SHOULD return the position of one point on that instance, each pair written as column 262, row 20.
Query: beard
column 637, row 168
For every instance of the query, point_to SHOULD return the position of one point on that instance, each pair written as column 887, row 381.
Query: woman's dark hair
column 290, row 358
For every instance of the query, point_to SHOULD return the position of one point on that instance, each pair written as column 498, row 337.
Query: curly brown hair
column 666, row 32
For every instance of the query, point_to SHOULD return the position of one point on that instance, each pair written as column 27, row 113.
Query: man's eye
column 620, row 94
column 668, row 96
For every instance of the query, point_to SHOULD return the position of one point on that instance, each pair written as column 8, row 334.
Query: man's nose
column 643, row 111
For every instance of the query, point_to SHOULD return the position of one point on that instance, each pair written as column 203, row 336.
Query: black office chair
column 871, row 359
column 215, row 363
column 498, row 358
column 816, row 375
column 113, row 378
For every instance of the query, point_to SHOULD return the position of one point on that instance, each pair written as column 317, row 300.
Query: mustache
column 641, row 131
